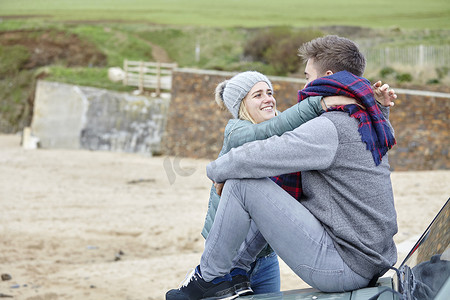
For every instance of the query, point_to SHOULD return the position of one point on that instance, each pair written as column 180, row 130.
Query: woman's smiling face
column 260, row 103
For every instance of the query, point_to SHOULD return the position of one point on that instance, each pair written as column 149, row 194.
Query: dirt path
column 159, row 54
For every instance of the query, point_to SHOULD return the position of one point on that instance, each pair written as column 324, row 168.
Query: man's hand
column 383, row 94
column 219, row 187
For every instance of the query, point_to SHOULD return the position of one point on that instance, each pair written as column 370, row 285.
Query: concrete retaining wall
column 73, row 117
column 195, row 124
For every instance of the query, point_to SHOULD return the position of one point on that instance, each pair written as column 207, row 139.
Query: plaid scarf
column 374, row 131
column 291, row 183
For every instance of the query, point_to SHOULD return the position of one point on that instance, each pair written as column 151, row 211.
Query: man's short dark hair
column 334, row 53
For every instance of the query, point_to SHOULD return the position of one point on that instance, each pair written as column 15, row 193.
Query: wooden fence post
column 125, row 69
column 141, row 77
column 421, row 55
column 158, row 79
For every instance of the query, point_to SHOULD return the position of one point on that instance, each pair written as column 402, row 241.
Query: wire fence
column 420, row 56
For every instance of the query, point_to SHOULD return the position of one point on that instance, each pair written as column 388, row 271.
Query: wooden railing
column 150, row 75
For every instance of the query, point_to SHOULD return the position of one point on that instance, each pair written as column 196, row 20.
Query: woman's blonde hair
column 244, row 114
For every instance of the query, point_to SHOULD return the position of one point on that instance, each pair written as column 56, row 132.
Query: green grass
column 15, row 108
column 407, row 14
column 115, row 43
column 97, row 77
column 218, row 47
column 12, row 59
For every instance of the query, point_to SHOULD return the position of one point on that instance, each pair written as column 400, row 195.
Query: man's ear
column 328, row 73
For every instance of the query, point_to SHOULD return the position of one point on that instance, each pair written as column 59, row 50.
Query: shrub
column 433, row 81
column 278, row 48
column 263, row 41
column 404, row 77
column 387, row 71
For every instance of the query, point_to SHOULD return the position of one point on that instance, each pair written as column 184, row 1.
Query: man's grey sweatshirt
column 342, row 187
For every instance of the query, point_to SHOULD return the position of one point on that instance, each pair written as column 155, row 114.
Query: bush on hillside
column 257, row 47
column 404, row 77
column 386, row 72
column 433, row 81
column 278, row 47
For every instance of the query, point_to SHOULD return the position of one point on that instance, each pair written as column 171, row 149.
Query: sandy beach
column 101, row 225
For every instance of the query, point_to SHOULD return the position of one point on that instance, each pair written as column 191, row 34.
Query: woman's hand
column 219, row 187
column 331, row 101
column 383, row 94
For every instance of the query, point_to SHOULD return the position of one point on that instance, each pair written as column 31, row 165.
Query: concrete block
column 73, row 117
column 59, row 115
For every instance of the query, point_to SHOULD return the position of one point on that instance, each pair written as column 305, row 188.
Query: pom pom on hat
column 218, row 93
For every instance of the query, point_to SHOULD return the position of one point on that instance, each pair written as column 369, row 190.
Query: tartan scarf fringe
column 372, row 127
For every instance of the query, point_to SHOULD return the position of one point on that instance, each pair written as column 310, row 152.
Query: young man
column 340, row 236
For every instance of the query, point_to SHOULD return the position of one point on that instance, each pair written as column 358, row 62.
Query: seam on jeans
column 255, row 269
column 319, row 270
column 355, row 281
column 214, row 242
column 324, row 272
column 267, row 276
column 251, row 240
column 258, row 263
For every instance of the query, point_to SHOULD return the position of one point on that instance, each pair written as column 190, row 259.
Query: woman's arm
column 385, row 97
column 288, row 120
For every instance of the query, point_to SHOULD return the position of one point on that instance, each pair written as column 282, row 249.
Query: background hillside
column 76, row 42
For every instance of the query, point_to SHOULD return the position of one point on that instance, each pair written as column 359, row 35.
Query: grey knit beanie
column 232, row 92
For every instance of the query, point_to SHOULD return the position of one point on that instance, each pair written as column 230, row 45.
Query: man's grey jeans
column 253, row 211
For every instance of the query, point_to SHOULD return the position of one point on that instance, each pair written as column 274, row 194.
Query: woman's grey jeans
column 253, row 211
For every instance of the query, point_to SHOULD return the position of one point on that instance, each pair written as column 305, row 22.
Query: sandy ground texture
column 101, row 225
